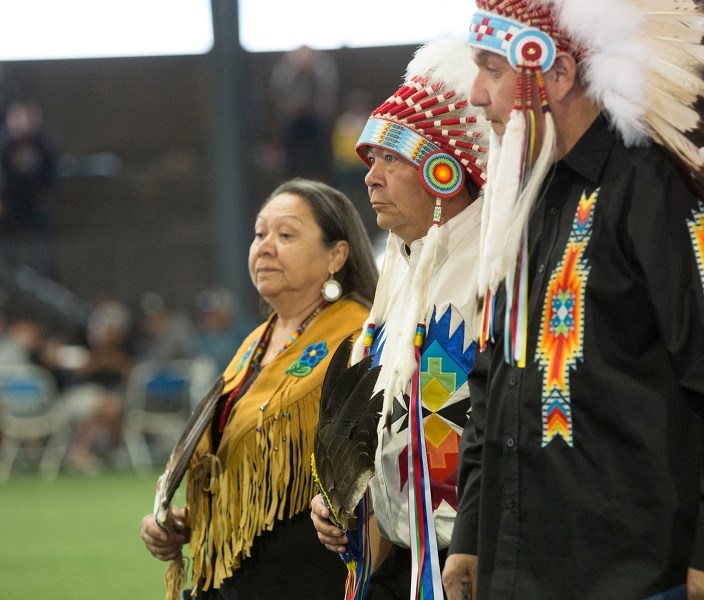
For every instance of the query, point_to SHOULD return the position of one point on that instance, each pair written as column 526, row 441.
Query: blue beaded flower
column 311, row 356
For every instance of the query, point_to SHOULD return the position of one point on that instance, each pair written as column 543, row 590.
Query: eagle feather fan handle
column 171, row 478
column 180, row 456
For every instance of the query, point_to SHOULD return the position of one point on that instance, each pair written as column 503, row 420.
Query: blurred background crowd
column 92, row 372
column 128, row 192
column 122, row 245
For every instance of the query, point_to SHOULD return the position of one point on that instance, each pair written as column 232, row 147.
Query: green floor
column 77, row 538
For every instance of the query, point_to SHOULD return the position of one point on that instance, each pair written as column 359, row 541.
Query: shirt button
column 510, row 442
column 509, row 502
column 512, row 380
column 541, row 268
column 553, row 211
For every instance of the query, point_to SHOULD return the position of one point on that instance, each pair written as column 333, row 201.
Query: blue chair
column 159, row 398
column 31, row 416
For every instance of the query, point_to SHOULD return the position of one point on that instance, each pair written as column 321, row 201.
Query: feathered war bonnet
column 641, row 63
column 429, row 122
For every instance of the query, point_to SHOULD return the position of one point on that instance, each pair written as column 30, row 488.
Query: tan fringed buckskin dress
column 249, row 486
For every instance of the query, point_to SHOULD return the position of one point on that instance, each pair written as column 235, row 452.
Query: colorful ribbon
column 426, row 583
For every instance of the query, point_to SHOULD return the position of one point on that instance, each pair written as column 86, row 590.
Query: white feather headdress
column 641, row 61
column 644, row 63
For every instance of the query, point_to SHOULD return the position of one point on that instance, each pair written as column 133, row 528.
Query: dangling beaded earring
column 332, row 290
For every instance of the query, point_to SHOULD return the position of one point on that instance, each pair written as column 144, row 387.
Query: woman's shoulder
column 337, row 322
column 244, row 351
column 347, row 312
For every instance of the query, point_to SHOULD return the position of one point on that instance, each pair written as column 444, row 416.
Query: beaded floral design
column 311, row 356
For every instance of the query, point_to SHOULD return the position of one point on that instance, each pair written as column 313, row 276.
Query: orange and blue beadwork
column 442, row 175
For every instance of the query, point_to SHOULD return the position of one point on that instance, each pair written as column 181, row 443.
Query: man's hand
column 695, row 584
column 459, row 577
column 333, row 537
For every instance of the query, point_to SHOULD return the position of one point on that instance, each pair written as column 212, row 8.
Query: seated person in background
column 95, row 400
column 165, row 332
column 21, row 339
column 220, row 328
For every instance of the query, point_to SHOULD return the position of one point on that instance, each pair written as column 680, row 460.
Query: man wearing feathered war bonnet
column 581, row 461
column 426, row 152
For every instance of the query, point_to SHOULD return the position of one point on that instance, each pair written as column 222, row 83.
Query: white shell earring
column 332, row 290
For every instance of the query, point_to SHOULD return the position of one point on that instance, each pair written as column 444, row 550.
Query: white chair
column 31, row 416
column 159, row 398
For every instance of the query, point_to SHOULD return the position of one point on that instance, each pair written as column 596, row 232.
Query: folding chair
column 158, row 402
column 30, row 416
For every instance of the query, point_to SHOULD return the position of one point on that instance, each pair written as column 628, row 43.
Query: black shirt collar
column 589, row 155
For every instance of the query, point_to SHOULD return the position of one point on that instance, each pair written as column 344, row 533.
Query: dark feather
column 334, row 385
column 346, row 435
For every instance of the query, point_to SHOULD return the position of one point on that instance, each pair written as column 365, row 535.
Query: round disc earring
column 332, row 290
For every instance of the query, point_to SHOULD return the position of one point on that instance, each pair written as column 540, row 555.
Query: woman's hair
column 339, row 220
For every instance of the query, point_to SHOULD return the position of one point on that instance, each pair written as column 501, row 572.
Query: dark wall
column 149, row 226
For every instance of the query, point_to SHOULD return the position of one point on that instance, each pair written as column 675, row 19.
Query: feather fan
column 346, row 434
column 181, row 454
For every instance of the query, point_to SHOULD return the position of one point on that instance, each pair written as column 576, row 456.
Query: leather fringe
column 175, row 578
column 231, row 506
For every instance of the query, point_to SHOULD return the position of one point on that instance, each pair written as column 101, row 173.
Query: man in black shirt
column 581, row 461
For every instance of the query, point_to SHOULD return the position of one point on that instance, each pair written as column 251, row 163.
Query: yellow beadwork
column 419, row 337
